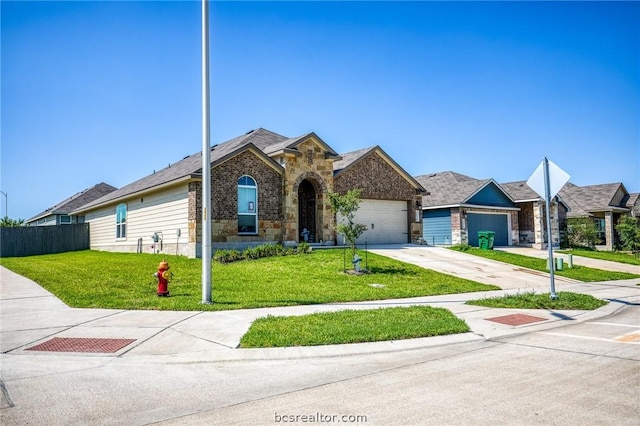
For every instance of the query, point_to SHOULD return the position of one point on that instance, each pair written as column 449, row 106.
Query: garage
column 386, row 220
column 498, row 223
column 436, row 227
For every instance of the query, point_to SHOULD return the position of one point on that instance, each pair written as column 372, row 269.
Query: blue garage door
column 497, row 223
column 436, row 226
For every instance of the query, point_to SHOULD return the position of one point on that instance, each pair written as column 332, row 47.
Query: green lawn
column 93, row 279
column 580, row 273
column 564, row 300
column 352, row 326
column 613, row 256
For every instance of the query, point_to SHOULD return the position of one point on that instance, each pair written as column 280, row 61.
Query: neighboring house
column 457, row 207
column 61, row 213
column 532, row 218
column 265, row 187
column 633, row 204
column 604, row 203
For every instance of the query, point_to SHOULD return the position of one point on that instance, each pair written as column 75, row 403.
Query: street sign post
column 547, row 180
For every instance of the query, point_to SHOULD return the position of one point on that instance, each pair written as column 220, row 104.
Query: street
column 586, row 373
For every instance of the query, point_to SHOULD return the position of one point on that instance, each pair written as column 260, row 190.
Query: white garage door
column 386, row 222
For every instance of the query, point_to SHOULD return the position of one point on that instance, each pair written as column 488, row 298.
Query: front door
column 306, row 212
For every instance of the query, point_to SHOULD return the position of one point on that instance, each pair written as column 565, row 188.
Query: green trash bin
column 485, row 240
column 491, row 235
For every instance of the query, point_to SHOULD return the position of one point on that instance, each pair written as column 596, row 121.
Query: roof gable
column 351, row 158
column 453, row 189
column 491, row 195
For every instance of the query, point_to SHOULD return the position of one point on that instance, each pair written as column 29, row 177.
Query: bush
column 582, row 232
column 629, row 231
column 226, row 256
column 258, row 252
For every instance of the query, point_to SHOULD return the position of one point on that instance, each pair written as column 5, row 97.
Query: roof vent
column 250, row 131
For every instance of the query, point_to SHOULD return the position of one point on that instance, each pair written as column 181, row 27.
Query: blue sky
column 110, row 91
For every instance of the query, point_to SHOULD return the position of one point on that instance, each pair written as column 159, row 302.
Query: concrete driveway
column 469, row 266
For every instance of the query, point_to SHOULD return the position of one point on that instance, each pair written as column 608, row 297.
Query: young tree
column 346, row 205
column 628, row 228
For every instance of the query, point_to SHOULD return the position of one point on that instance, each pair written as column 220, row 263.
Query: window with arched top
column 121, row 221
column 247, row 205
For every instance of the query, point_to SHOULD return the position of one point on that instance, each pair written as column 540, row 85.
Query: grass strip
column 352, row 326
column 564, row 300
column 612, row 256
column 580, row 273
column 94, row 279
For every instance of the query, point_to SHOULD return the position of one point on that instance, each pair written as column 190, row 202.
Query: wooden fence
column 32, row 240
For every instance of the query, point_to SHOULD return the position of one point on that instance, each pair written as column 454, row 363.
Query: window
column 602, row 233
column 247, row 206
column 121, row 221
column 65, row 218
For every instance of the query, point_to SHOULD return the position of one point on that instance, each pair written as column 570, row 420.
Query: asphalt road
column 585, row 373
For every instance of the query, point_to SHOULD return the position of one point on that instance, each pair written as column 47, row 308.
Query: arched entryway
column 307, row 212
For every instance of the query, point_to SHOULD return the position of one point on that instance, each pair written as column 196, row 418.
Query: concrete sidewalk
column 29, row 315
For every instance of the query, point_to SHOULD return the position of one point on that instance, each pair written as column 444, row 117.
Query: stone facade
column 313, row 166
column 279, row 185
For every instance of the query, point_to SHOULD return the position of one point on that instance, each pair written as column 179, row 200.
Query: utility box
column 485, row 240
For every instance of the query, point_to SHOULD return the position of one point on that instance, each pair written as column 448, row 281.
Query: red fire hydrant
column 164, row 276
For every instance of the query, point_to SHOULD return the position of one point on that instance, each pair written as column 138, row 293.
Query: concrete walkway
column 30, row 315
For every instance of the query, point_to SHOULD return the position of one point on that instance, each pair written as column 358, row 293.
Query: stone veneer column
column 311, row 165
column 538, row 224
column 608, row 229
column 555, row 225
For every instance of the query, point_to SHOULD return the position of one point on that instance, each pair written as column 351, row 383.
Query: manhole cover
column 79, row 344
column 516, row 319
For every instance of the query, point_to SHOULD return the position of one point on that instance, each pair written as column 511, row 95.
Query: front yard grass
column 564, row 300
column 580, row 273
column 352, row 326
column 94, row 279
column 612, row 256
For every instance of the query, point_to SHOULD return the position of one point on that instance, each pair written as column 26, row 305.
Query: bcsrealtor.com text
column 319, row 418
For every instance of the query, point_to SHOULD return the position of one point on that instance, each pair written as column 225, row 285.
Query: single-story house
column 456, row 207
column 532, row 218
column 265, row 187
column 60, row 214
column 605, row 204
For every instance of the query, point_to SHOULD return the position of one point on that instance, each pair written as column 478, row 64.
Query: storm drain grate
column 516, row 319
column 80, row 344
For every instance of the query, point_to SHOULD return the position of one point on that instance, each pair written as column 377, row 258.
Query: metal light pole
column 6, row 203
column 206, row 161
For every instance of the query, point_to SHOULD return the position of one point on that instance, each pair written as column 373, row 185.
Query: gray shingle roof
column 584, row 200
column 77, row 200
column 191, row 167
column 520, row 191
column 449, row 188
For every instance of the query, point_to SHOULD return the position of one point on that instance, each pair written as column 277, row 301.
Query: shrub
column 258, row 252
column 628, row 229
column 582, row 232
